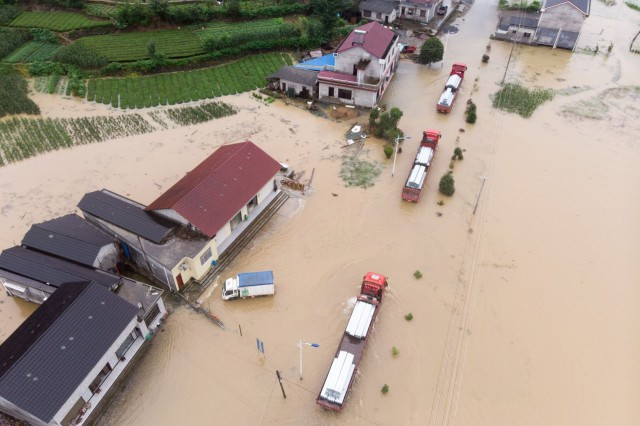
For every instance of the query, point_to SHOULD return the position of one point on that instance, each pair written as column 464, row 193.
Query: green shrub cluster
column 471, row 112
column 11, row 39
column 80, row 56
column 13, row 94
column 447, row 184
column 39, row 68
column 519, row 99
column 8, row 13
column 44, row 35
column 534, row 6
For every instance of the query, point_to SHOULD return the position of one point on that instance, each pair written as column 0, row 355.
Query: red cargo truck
column 421, row 165
column 344, row 366
column 451, row 88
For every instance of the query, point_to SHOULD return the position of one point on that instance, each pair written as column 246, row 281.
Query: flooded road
column 528, row 312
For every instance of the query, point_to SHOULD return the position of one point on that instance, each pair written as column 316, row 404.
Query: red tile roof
column 375, row 41
column 338, row 76
column 215, row 191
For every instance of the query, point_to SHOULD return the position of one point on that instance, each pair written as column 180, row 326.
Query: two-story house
column 364, row 65
column 561, row 22
column 418, row 10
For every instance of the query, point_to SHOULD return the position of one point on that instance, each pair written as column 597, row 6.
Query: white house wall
column 347, row 59
column 193, row 268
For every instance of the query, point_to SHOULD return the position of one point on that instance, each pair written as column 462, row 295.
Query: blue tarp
column 326, row 62
column 248, row 279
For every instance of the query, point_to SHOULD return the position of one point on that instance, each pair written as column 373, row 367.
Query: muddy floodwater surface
column 528, row 311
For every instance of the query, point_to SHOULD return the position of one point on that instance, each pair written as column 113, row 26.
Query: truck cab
column 230, row 289
column 373, row 285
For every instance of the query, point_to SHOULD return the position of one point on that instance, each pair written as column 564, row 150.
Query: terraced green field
column 217, row 29
column 56, row 21
column 127, row 47
column 185, row 86
column 33, row 51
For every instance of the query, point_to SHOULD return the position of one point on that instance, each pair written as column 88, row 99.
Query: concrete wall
column 412, row 11
column 107, row 257
column 378, row 16
column 172, row 215
column 297, row 87
column 194, row 269
column 564, row 17
column 347, row 59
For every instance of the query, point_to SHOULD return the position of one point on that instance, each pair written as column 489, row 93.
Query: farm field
column 33, row 51
column 56, row 21
column 218, row 29
column 22, row 138
column 11, row 39
column 99, row 10
column 185, row 86
column 134, row 46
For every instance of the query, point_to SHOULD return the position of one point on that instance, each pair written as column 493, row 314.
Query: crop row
column 33, row 51
column 216, row 29
column 135, row 46
column 56, row 21
column 11, row 39
column 22, row 138
column 185, row 86
column 99, row 10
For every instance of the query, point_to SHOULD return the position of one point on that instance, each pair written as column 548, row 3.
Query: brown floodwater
column 528, row 311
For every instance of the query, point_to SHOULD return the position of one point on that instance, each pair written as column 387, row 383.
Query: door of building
column 179, row 281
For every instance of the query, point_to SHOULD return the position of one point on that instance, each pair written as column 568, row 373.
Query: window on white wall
column 205, row 257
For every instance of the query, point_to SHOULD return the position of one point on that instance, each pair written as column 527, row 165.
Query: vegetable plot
column 56, row 21
column 185, row 86
column 127, row 47
column 33, row 51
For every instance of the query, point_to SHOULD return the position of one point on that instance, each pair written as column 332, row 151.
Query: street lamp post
column 300, row 344
column 395, row 155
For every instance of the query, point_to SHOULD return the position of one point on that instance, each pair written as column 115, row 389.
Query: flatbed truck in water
column 421, row 165
column 344, row 366
column 451, row 88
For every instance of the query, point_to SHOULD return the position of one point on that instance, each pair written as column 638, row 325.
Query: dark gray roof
column 297, row 75
column 51, row 353
column 51, row 270
column 68, row 236
column 381, row 6
column 524, row 22
column 127, row 215
column 583, row 5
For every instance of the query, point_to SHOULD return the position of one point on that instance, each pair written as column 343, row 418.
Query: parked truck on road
column 421, row 165
column 249, row 284
column 451, row 88
column 344, row 366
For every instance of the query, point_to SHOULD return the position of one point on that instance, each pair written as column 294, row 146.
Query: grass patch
column 199, row 114
column 360, row 173
column 185, row 86
column 516, row 98
column 33, row 51
column 632, row 5
column 13, row 94
column 395, row 351
column 56, row 21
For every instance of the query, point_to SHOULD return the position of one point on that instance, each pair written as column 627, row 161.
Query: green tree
column 233, row 8
column 432, row 51
column 373, row 116
column 160, row 7
column 447, row 184
column 328, row 12
column 151, row 49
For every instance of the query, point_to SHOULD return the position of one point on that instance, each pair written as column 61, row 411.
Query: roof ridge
column 217, row 168
column 33, row 344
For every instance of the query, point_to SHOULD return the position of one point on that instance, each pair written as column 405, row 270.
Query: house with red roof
column 182, row 234
column 365, row 62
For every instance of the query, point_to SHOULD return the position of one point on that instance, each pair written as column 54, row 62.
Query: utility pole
column 484, row 179
column 395, row 155
column 284, row 395
column 507, row 67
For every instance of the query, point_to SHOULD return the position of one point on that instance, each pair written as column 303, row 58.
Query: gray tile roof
column 51, row 270
column 524, row 22
column 44, row 361
column 583, row 5
column 127, row 215
column 382, row 6
column 68, row 236
column 297, row 75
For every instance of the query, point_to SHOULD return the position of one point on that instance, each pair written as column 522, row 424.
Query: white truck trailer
column 249, row 284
